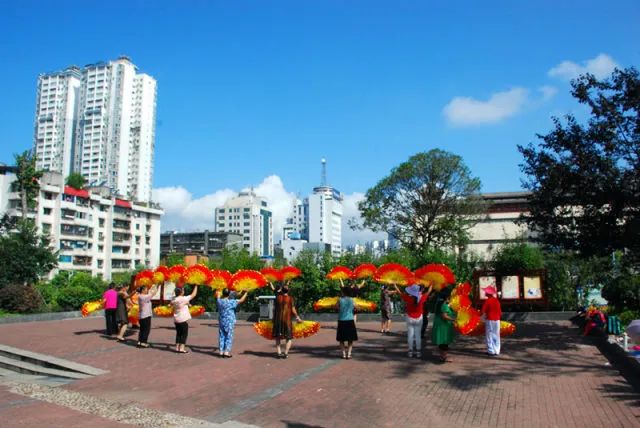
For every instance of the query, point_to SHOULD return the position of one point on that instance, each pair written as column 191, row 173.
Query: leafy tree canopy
column 429, row 201
column 27, row 180
column 75, row 180
column 585, row 175
column 26, row 255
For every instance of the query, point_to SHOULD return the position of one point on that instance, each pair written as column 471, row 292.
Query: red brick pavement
column 547, row 376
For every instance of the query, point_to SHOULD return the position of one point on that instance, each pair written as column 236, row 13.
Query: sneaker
column 418, row 355
column 410, row 354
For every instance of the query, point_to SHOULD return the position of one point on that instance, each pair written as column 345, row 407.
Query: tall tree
column 76, row 180
column 27, row 181
column 431, row 200
column 585, row 176
column 26, row 255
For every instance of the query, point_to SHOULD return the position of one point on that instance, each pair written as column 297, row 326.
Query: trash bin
column 267, row 304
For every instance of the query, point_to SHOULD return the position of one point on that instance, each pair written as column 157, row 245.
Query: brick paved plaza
column 547, row 376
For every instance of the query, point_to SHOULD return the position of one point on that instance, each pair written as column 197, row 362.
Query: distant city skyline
column 255, row 95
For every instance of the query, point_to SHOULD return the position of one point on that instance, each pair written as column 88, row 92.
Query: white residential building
column 501, row 223
column 92, row 231
column 248, row 215
column 296, row 226
column 114, row 136
column 55, row 121
column 325, row 218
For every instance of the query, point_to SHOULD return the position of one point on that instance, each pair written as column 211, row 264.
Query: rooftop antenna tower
column 323, row 176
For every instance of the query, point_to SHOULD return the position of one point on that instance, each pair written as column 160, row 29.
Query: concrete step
column 13, row 376
column 35, row 369
column 48, row 361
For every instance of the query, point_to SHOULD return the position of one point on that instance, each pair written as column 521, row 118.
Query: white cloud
column 184, row 213
column 350, row 211
column 280, row 202
column 547, row 92
column 467, row 111
column 601, row 66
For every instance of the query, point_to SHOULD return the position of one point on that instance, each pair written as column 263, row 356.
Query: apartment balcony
column 82, row 261
column 118, row 264
column 121, row 225
column 74, row 230
column 123, row 215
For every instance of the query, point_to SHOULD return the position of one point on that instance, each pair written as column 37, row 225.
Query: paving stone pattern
column 547, row 376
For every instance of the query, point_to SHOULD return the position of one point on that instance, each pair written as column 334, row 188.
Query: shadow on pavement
column 621, row 391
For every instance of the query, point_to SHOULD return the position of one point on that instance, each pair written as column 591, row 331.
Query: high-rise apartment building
column 318, row 218
column 248, row 215
column 55, row 124
column 325, row 218
column 110, row 140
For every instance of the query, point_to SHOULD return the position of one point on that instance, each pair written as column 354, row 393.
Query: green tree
column 429, row 201
column 585, row 176
column 513, row 257
column 175, row 259
column 76, row 180
column 26, row 254
column 235, row 258
column 27, row 181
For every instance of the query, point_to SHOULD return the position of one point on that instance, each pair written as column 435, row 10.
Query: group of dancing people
column 419, row 302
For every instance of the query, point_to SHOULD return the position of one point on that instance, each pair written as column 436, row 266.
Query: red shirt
column 414, row 310
column 492, row 309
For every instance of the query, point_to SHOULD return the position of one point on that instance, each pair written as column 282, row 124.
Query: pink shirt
column 181, row 309
column 144, row 301
column 111, row 299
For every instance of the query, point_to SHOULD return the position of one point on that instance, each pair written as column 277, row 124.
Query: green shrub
column 20, row 298
column 627, row 316
column 71, row 297
column 511, row 258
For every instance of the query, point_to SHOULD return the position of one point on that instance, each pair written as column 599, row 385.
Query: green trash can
column 613, row 325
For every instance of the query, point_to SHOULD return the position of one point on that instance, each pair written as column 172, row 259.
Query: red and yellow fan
column 459, row 301
column 89, row 307
column 133, row 315
column 196, row 275
column 326, row 304
column 467, row 320
column 220, row 279
column 175, row 275
column 506, row 329
column 196, row 310
column 394, row 273
column 164, row 311
column 435, row 274
column 160, row 275
column 271, row 274
column 463, row 289
column 363, row 305
column 290, row 272
column 144, row 279
column 247, row 280
column 365, row 270
column 340, row 272
column 300, row 329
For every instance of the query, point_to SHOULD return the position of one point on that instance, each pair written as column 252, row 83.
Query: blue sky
column 254, row 93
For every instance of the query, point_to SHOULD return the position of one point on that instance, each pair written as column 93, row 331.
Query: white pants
column 492, row 331
column 413, row 333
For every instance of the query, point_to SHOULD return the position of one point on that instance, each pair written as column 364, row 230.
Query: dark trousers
column 145, row 328
column 425, row 323
column 182, row 331
column 110, row 318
